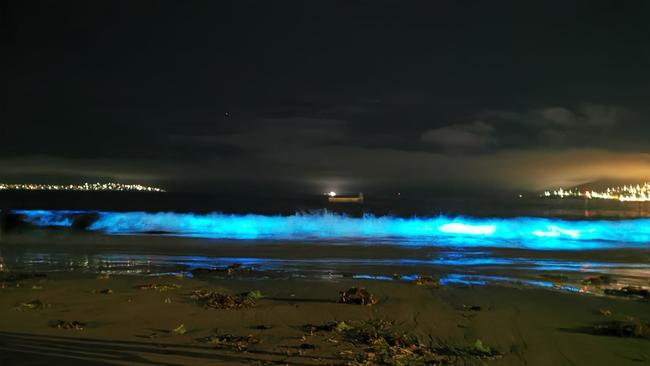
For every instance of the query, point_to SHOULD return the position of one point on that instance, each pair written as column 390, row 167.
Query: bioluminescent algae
column 525, row 232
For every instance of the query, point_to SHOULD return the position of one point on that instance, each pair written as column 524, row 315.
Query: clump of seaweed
column 239, row 343
column 179, row 330
column 32, row 305
column 312, row 329
column 158, row 286
column 632, row 328
column 384, row 345
column 69, row 325
column 630, row 291
column 598, row 280
column 218, row 300
column 357, row 295
column 428, row 281
column 230, row 270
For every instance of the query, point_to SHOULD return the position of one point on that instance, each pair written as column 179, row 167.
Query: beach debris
column 630, row 291
column 179, row 330
column 106, row 291
column 69, row 325
column 240, row 343
column 357, row 295
column 312, row 329
column 605, row 312
column 428, row 281
column 385, row 345
column 479, row 347
column 159, row 287
column 472, row 307
column 217, row 300
column 555, row 277
column 233, row 268
column 255, row 294
column 229, row 270
column 32, row 305
column 598, row 280
column 262, row 327
column 632, row 328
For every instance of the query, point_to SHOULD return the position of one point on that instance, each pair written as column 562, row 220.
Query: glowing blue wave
column 529, row 233
column 48, row 218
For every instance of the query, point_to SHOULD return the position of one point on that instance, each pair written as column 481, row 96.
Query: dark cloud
column 319, row 94
column 476, row 136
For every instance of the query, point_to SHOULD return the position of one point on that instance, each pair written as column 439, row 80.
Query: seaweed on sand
column 240, row 343
column 428, row 281
column 230, row 270
column 631, row 328
column 312, row 329
column 385, row 345
column 218, row 300
column 357, row 295
column 32, row 305
column 379, row 342
column 630, row 291
column 598, row 280
column 179, row 330
column 69, row 325
column 158, row 286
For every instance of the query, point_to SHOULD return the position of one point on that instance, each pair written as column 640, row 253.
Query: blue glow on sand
column 525, row 232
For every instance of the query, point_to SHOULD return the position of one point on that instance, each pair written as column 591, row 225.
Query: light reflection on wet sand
column 564, row 271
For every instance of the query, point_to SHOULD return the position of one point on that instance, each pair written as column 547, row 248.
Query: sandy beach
column 134, row 324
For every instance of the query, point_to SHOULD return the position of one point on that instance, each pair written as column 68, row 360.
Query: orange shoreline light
column 625, row 193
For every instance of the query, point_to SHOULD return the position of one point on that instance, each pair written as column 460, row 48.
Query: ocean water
column 555, row 247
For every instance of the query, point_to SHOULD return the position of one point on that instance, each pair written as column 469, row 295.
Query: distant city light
column 332, row 194
column 78, row 187
column 625, row 193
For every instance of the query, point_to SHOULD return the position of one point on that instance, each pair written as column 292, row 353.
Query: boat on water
column 344, row 199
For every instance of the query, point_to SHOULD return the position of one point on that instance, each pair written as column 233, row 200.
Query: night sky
column 316, row 96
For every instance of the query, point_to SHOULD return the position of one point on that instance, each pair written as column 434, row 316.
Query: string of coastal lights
column 625, row 193
column 78, row 187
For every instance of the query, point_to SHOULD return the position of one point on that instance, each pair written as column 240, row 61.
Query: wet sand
column 132, row 326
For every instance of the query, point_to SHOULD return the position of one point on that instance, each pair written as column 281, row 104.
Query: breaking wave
column 522, row 232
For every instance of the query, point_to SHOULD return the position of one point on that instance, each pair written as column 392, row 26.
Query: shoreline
column 135, row 326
